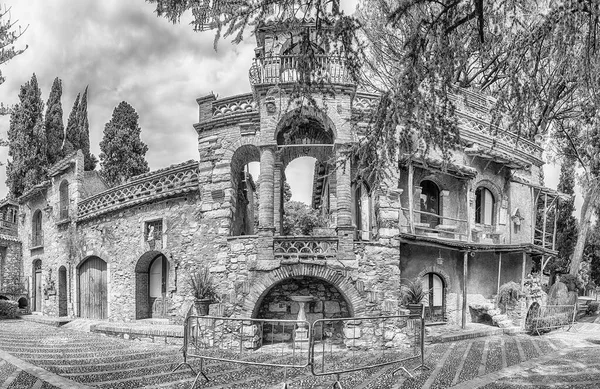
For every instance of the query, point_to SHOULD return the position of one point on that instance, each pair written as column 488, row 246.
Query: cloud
column 124, row 53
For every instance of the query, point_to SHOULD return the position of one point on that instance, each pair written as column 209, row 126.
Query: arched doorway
column 276, row 303
column 435, row 300
column 93, row 299
column 37, row 285
column 62, row 291
column 152, row 280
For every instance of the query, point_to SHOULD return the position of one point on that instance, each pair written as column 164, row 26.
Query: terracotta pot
column 415, row 309
column 202, row 306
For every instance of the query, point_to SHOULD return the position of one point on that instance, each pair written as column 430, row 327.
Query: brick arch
column 231, row 149
column 439, row 271
column 309, row 112
column 264, row 282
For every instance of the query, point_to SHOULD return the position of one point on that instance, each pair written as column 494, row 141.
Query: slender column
column 464, row 302
column 545, row 220
column 499, row 271
column 266, row 189
column 411, row 200
column 277, row 196
column 523, row 268
column 469, row 211
column 343, row 189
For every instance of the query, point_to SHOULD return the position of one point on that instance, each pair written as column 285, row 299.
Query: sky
column 124, row 52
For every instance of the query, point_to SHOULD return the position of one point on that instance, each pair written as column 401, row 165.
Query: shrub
column 8, row 309
column 413, row 292
column 508, row 295
column 572, row 282
column 593, row 307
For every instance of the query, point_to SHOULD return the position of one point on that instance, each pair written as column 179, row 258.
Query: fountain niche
column 301, row 331
column 301, row 298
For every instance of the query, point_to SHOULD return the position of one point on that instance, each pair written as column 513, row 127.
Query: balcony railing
column 305, row 247
column 287, row 68
column 36, row 239
column 437, row 226
column 8, row 228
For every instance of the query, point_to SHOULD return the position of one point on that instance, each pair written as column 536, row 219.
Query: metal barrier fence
column 544, row 318
column 328, row 346
column 384, row 340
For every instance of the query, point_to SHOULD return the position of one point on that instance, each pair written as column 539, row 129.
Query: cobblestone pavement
column 38, row 356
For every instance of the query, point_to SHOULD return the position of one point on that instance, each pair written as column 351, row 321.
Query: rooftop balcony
column 287, row 68
column 8, row 228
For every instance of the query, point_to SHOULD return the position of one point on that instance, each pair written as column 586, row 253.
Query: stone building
column 125, row 253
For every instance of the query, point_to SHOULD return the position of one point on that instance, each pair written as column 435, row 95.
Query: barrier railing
column 234, row 340
column 328, row 346
column 544, row 318
column 383, row 339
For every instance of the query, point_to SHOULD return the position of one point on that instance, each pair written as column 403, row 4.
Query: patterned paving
column 57, row 357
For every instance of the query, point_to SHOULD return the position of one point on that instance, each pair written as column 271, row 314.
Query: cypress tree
column 54, row 123
column 84, row 133
column 122, row 151
column 27, row 141
column 72, row 133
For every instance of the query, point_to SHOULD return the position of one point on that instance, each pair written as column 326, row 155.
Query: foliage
column 77, row 134
column 566, row 223
column 8, row 309
column 8, row 36
column 572, row 282
column 53, row 122
column 593, row 307
column 413, row 292
column 533, row 287
column 508, row 295
column 72, row 131
column 592, row 253
column 202, row 284
column 122, row 150
column 27, row 141
column 300, row 219
column 89, row 159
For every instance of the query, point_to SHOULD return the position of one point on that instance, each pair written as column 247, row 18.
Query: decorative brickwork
column 146, row 188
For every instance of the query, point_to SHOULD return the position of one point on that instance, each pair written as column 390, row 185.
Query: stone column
column 266, row 187
column 277, row 203
column 265, row 258
column 343, row 190
column 345, row 229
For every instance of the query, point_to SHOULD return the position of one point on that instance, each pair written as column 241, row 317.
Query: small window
column 361, row 214
column 37, row 236
column 64, row 200
column 484, row 206
column 153, row 231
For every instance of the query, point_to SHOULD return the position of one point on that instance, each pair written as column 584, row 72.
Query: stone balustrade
column 153, row 186
column 305, row 248
column 234, row 105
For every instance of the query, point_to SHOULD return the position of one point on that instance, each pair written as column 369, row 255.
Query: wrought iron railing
column 305, row 247
column 544, row 318
column 288, row 68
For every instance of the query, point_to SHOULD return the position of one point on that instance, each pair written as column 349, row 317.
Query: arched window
column 37, row 236
column 484, row 206
column 435, row 300
column 64, row 200
column 430, row 203
column 361, row 211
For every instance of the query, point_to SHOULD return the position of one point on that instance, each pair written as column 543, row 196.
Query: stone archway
column 152, row 284
column 265, row 281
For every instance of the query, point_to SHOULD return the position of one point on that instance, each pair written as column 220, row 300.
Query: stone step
column 505, row 323
column 498, row 318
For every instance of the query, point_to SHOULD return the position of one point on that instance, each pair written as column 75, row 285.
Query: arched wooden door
column 92, row 289
column 37, row 286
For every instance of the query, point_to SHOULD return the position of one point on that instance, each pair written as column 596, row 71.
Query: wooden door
column 62, row 291
column 159, row 272
column 92, row 289
column 38, row 291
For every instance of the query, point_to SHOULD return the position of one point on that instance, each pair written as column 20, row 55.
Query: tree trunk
column 587, row 210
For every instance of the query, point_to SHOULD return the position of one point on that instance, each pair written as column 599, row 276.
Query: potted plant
column 413, row 294
column 203, row 289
